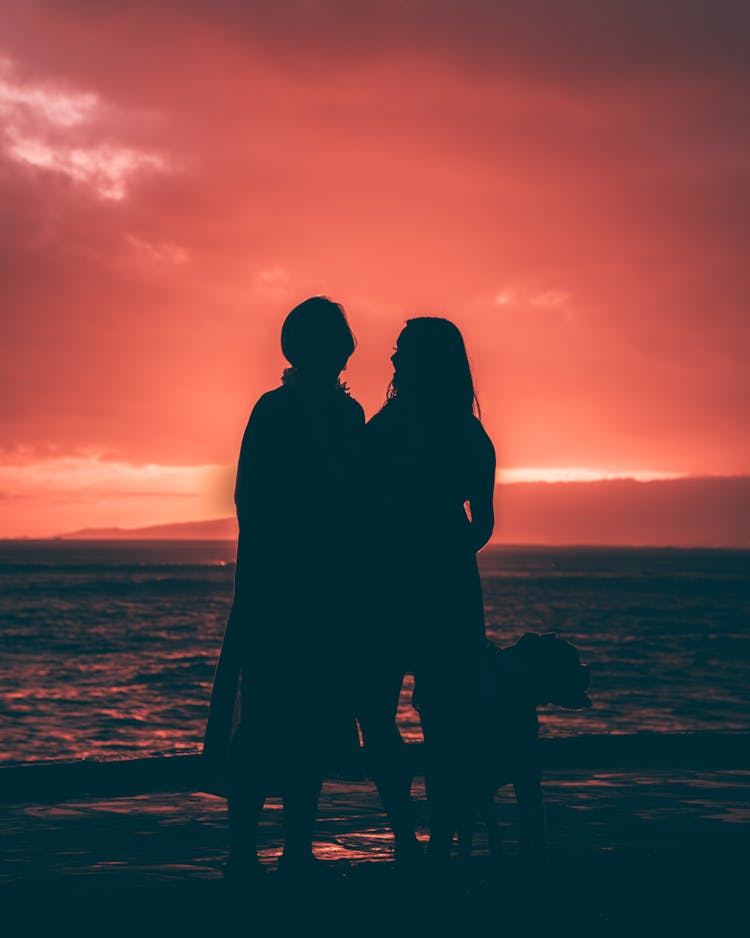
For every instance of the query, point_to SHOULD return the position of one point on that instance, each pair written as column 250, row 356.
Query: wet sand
column 629, row 852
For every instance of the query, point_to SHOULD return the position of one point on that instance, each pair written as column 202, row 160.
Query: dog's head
column 554, row 670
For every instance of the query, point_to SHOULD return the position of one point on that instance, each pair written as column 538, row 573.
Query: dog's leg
column 465, row 836
column 488, row 814
column 532, row 822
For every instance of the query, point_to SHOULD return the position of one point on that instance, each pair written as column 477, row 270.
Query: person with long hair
column 288, row 637
column 432, row 471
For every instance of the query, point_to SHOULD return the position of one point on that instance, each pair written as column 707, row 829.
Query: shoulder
column 274, row 406
column 384, row 419
column 381, row 431
column 375, row 421
column 270, row 411
column 275, row 401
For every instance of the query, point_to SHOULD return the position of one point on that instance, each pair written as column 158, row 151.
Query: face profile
column 430, row 365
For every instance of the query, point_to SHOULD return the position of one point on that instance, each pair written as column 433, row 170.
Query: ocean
column 108, row 648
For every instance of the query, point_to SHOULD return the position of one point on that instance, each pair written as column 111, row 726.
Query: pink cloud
column 52, row 129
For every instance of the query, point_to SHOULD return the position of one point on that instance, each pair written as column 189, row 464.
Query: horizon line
column 514, row 545
column 560, row 485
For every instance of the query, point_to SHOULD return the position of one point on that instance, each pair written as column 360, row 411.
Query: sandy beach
column 647, row 852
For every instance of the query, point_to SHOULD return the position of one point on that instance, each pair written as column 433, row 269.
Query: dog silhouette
column 539, row 669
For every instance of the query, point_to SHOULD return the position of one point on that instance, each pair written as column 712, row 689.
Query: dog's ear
column 528, row 644
column 528, row 638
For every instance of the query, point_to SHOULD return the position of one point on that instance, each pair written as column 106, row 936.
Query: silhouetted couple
column 356, row 564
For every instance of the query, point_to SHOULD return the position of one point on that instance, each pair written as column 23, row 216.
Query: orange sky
column 568, row 182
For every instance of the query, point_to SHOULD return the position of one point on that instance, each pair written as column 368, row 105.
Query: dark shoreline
column 50, row 781
column 631, row 853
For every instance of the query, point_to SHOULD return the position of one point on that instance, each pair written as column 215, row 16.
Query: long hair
column 432, row 370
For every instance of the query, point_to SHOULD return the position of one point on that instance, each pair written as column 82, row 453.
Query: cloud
column 43, row 127
column 525, row 296
column 105, row 169
column 576, row 40
column 163, row 252
column 274, row 280
column 53, row 106
column 549, row 299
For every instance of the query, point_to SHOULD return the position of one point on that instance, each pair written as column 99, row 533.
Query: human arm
column 266, row 491
column 481, row 494
column 253, row 470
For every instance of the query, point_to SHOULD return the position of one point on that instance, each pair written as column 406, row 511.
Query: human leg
column 446, row 717
column 300, row 795
column 246, row 797
column 386, row 755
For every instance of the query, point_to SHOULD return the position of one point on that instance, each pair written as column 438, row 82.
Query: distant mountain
column 217, row 529
column 692, row 512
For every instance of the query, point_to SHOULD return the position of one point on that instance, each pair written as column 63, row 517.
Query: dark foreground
column 630, row 853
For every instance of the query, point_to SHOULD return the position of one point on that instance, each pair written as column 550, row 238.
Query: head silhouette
column 316, row 338
column 431, row 368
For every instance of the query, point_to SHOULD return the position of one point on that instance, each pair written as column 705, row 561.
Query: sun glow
column 50, row 496
column 580, row 474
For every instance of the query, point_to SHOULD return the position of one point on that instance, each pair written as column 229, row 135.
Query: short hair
column 315, row 333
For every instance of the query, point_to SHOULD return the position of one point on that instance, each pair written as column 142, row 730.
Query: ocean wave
column 116, row 653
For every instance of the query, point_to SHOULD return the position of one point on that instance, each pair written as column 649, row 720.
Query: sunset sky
column 569, row 182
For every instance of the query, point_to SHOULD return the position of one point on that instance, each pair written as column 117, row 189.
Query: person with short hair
column 288, row 636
